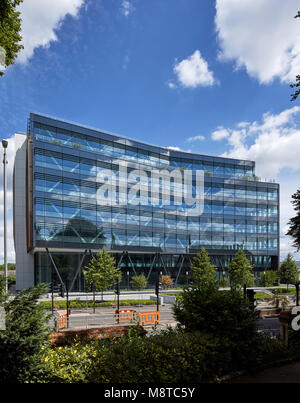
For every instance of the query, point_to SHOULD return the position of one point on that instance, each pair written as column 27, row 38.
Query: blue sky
column 207, row 76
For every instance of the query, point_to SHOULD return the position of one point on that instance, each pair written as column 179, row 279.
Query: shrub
column 224, row 282
column 25, row 338
column 268, row 279
column 221, row 313
column 139, row 282
column 166, row 281
column 170, row 356
column 167, row 356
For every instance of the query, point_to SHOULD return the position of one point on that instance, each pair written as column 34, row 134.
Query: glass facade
column 69, row 163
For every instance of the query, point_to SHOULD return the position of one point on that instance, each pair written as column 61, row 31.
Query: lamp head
column 4, row 143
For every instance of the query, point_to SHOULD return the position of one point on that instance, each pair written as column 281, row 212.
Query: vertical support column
column 77, row 271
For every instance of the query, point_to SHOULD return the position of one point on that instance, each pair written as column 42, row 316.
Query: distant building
column 60, row 220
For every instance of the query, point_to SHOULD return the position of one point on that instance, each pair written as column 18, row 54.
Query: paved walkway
column 289, row 373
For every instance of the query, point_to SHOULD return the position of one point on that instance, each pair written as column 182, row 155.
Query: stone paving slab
column 289, row 373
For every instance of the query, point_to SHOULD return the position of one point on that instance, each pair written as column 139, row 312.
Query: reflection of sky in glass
column 71, row 178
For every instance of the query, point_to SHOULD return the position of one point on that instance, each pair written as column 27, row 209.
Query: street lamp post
column 4, row 145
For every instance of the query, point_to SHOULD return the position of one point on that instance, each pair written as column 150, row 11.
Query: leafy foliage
column 297, row 83
column 239, row 270
column 10, row 266
column 25, row 338
column 288, row 271
column 278, row 299
column 10, row 28
column 167, row 356
column 268, row 279
column 221, row 313
column 139, row 282
column 170, row 355
column 224, row 282
column 203, row 273
column 102, row 271
column 166, row 281
column 294, row 223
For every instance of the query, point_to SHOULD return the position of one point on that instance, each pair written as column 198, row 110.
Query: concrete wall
column 24, row 260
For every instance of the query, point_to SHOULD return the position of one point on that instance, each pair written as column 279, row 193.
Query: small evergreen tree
column 288, row 271
column 102, row 272
column 239, row 270
column 203, row 273
column 268, row 279
column 25, row 338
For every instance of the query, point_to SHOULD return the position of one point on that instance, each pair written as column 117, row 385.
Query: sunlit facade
column 64, row 213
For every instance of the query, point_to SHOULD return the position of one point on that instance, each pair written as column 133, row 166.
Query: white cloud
column 171, row 84
column 195, row 138
column 40, row 19
column 193, row 72
column 263, row 36
column 274, row 144
column 220, row 133
column 126, row 8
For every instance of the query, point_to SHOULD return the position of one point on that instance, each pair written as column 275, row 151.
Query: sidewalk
column 289, row 373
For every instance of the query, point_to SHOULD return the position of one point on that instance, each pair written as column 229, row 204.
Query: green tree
column 102, row 272
column 25, row 338
column 288, row 271
column 10, row 28
column 203, row 273
column 139, row 282
column 221, row 313
column 268, row 279
column 294, row 223
column 239, row 270
column 295, row 95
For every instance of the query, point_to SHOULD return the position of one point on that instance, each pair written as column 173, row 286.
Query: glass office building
column 67, row 222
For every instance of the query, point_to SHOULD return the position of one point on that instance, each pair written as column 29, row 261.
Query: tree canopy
column 294, row 223
column 288, row 271
column 10, row 28
column 203, row 273
column 239, row 270
column 102, row 271
column 295, row 95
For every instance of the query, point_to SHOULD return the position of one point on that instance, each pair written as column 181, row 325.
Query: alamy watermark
column 296, row 320
column 154, row 187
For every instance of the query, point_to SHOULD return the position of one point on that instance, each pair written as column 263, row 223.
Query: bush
column 224, row 282
column 25, row 338
column 166, row 281
column 268, row 279
column 89, row 304
column 168, row 356
column 139, row 282
column 221, row 313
